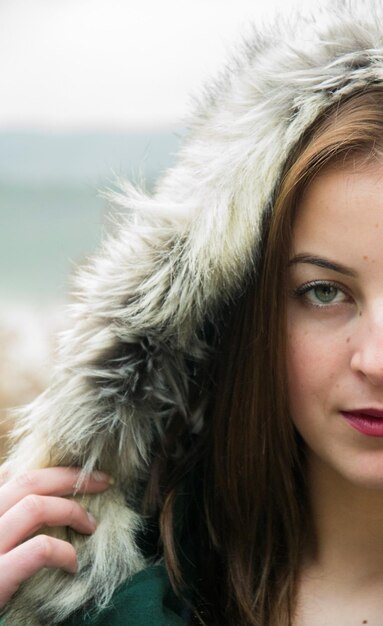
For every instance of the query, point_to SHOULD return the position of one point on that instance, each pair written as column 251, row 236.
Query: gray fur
column 124, row 367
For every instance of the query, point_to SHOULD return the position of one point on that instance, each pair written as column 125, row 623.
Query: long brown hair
column 254, row 523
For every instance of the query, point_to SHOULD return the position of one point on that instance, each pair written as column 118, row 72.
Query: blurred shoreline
column 51, row 212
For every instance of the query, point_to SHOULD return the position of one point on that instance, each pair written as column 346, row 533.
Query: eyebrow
column 320, row 262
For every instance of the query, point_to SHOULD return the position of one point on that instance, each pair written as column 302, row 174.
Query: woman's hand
column 30, row 501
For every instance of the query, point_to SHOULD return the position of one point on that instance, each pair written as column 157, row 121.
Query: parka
column 149, row 305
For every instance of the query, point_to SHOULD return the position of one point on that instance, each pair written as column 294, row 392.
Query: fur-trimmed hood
column 138, row 339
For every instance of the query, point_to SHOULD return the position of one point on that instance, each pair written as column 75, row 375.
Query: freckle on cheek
column 348, row 340
column 365, row 257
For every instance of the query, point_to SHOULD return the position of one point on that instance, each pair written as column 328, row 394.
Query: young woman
column 225, row 368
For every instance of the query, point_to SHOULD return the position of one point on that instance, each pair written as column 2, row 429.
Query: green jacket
column 146, row 600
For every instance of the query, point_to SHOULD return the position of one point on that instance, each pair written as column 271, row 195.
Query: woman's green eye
column 325, row 293
column 321, row 294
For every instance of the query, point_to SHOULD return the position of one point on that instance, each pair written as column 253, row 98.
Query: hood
column 139, row 334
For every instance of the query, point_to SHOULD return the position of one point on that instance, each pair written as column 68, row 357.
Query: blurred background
column 91, row 90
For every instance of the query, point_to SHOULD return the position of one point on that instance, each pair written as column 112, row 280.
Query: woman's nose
column 367, row 357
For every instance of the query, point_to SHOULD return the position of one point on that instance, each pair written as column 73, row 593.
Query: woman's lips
column 366, row 421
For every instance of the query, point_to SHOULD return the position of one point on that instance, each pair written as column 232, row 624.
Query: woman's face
column 335, row 322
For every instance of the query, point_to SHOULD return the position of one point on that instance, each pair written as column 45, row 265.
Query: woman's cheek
column 310, row 373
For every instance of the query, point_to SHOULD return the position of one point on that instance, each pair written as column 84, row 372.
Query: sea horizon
column 52, row 213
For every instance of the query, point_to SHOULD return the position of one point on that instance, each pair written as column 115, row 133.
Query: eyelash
column 303, row 290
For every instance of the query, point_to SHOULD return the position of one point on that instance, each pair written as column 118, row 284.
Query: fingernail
column 92, row 520
column 4, row 476
column 101, row 477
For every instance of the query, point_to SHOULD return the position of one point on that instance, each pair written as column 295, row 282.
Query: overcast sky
column 114, row 64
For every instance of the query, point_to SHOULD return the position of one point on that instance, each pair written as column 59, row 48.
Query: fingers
column 34, row 512
column 30, row 501
column 31, row 556
column 55, row 481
